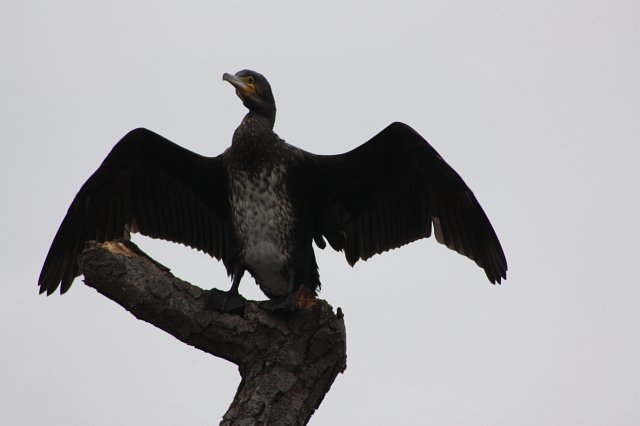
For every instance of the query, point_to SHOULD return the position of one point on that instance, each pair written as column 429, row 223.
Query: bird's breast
column 263, row 219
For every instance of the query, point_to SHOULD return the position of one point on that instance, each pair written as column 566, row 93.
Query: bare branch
column 287, row 362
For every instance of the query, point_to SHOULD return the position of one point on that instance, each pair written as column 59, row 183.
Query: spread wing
column 393, row 190
column 150, row 185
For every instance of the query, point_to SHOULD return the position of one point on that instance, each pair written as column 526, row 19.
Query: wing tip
column 496, row 276
column 42, row 289
column 47, row 288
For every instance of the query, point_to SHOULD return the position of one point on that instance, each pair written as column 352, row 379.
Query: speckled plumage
column 261, row 207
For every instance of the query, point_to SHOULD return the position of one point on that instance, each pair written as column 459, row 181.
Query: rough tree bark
column 287, row 363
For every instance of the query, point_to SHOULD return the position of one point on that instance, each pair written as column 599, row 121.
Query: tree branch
column 287, row 363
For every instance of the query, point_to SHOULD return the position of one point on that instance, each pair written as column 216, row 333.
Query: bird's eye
column 250, row 79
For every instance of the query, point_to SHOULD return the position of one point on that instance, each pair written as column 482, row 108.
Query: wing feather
column 393, row 190
column 150, row 185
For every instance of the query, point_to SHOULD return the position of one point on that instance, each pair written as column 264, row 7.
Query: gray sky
column 535, row 104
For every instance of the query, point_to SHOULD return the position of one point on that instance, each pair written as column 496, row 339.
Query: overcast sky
column 535, row 104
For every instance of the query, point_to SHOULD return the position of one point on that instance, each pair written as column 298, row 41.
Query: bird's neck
column 257, row 124
column 261, row 118
column 254, row 133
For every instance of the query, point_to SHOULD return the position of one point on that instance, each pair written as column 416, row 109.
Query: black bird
column 259, row 205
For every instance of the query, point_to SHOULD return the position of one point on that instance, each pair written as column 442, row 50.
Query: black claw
column 286, row 304
column 225, row 301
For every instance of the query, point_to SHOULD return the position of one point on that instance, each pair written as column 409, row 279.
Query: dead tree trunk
column 287, row 363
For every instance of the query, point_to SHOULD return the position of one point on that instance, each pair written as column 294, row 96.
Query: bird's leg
column 286, row 303
column 227, row 301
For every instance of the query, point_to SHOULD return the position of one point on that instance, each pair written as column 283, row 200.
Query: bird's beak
column 240, row 85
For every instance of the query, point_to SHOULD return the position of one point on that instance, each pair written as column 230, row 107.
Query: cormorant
column 258, row 206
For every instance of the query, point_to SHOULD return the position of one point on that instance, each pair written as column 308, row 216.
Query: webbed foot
column 286, row 304
column 225, row 301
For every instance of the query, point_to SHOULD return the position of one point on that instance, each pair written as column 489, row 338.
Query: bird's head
column 255, row 92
